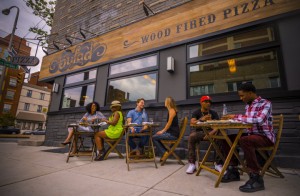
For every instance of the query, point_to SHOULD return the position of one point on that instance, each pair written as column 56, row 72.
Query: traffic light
column 20, row 78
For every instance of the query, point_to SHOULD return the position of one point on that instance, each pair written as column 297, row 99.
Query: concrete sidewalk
column 40, row 170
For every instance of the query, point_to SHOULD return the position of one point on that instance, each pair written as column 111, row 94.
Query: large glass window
column 39, row 108
column 132, row 88
column 42, row 96
column 132, row 65
column 78, row 96
column 227, row 74
column 133, row 79
column 88, row 75
column 236, row 41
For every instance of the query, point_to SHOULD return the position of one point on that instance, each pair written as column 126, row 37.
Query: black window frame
column 273, row 45
column 135, row 73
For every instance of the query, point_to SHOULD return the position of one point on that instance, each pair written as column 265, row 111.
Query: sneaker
column 232, row 174
column 255, row 183
column 191, row 169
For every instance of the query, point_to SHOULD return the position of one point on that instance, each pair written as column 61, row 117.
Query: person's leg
column 249, row 144
column 156, row 140
column 144, row 140
column 194, row 138
column 100, row 145
column 69, row 137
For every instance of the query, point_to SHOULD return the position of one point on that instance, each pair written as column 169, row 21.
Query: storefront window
column 88, row 75
column 236, row 41
column 133, row 65
column 227, row 74
column 78, row 96
column 132, row 88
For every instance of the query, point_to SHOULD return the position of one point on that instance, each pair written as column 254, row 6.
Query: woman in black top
column 171, row 129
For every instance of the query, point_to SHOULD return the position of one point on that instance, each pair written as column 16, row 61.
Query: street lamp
column 6, row 12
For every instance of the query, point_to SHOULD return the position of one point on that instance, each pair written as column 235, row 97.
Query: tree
column 7, row 119
column 45, row 10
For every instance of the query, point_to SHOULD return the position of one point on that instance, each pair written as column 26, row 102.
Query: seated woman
column 93, row 113
column 171, row 129
column 114, row 130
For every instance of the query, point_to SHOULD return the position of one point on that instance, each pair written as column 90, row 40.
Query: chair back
column 182, row 127
column 277, row 127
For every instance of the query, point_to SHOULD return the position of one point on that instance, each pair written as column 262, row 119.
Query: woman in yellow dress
column 113, row 131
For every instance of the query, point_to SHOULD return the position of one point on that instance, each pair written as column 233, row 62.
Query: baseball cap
column 205, row 98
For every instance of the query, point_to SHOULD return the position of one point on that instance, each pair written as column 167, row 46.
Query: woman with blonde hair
column 113, row 131
column 171, row 129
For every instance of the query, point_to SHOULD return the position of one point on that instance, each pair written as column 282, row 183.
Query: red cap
column 205, row 98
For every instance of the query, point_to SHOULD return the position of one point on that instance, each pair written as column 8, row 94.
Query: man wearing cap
column 138, row 116
column 203, row 114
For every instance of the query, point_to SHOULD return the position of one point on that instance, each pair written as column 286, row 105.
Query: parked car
column 39, row 132
column 35, row 132
column 9, row 130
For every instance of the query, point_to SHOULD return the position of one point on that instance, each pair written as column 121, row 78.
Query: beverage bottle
column 224, row 110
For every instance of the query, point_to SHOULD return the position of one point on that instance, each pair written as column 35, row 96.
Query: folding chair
column 269, row 166
column 171, row 145
column 112, row 146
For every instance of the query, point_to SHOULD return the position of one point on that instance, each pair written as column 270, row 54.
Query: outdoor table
column 222, row 126
column 78, row 135
column 134, row 158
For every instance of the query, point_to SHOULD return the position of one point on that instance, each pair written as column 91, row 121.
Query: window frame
column 250, row 50
column 78, row 84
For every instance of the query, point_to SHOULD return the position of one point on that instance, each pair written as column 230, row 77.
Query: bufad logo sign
column 83, row 54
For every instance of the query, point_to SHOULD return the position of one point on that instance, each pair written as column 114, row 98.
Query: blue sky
column 26, row 20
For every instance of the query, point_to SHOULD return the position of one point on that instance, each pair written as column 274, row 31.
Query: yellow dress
column 114, row 132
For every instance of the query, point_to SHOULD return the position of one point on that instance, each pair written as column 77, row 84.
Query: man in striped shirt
column 259, row 113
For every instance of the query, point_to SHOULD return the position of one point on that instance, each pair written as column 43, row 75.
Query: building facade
column 183, row 49
column 33, row 107
column 10, row 84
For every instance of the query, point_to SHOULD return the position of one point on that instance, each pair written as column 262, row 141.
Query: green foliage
column 7, row 119
column 45, row 10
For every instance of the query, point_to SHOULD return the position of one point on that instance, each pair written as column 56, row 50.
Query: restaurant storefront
column 185, row 52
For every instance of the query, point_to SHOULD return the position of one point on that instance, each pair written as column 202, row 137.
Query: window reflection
column 142, row 63
column 88, row 75
column 130, row 89
column 261, row 69
column 232, row 42
column 78, row 96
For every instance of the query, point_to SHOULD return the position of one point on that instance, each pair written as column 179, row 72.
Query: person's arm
column 172, row 114
column 115, row 120
column 259, row 118
column 100, row 115
column 84, row 118
column 129, row 120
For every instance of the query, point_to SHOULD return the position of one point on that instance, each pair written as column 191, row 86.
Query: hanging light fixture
column 231, row 65
column 146, row 8
column 81, row 31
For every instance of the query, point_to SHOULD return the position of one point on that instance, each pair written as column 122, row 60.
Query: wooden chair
column 269, row 166
column 171, row 145
column 112, row 145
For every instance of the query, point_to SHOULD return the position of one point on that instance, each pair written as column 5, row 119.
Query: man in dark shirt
column 203, row 114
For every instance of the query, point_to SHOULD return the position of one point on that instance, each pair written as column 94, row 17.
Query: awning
column 31, row 116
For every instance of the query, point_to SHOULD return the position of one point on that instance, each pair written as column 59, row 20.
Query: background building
column 184, row 49
column 11, row 81
column 33, row 107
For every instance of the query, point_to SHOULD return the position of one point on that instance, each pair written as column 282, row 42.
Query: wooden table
column 143, row 158
column 77, row 137
column 222, row 126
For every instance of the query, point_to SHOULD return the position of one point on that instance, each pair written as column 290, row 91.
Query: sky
column 26, row 20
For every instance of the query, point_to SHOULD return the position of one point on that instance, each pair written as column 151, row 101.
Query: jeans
column 143, row 141
column 158, row 144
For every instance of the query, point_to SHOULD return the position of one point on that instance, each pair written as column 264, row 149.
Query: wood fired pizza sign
column 188, row 21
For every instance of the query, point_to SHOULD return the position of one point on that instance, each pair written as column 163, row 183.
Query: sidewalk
column 38, row 170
